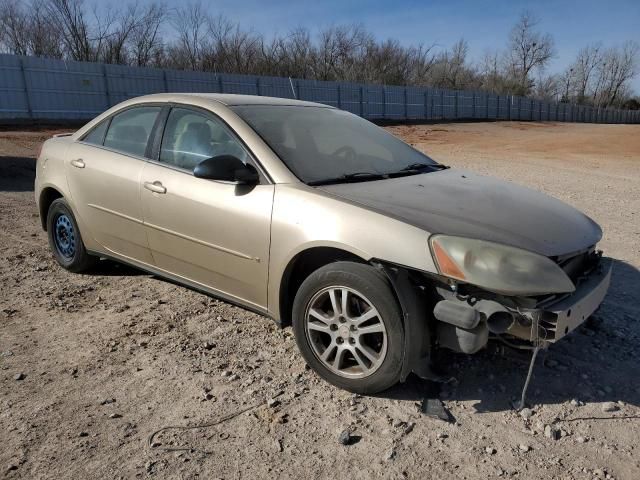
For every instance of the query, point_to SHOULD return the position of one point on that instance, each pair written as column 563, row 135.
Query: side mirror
column 227, row 168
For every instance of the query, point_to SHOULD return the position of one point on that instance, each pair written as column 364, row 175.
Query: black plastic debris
column 434, row 408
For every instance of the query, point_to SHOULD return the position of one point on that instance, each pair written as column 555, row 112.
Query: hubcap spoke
column 327, row 353
column 343, row 307
column 368, row 315
column 339, row 356
column 318, row 315
column 367, row 353
column 375, row 328
column 358, row 358
column 319, row 327
column 334, row 302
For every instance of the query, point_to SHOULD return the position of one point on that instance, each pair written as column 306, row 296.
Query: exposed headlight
column 498, row 268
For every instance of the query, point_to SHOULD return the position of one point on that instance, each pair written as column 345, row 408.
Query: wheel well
column 47, row 197
column 300, row 267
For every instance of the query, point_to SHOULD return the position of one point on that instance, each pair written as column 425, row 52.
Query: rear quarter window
column 96, row 135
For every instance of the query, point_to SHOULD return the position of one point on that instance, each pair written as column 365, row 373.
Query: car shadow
column 17, row 174
column 112, row 268
column 597, row 362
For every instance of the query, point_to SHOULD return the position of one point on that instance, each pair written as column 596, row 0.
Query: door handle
column 155, row 187
column 78, row 163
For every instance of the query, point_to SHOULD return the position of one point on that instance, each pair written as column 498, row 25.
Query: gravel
column 60, row 335
column 610, row 407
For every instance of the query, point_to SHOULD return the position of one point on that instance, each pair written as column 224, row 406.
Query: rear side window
column 191, row 137
column 96, row 136
column 129, row 131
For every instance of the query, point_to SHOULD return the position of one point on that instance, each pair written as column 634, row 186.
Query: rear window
column 129, row 131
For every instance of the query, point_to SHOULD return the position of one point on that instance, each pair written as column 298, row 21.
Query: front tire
column 348, row 326
column 65, row 240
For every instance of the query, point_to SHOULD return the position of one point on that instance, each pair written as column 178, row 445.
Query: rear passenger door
column 103, row 171
column 213, row 233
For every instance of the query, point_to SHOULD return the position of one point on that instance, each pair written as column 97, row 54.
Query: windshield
column 326, row 145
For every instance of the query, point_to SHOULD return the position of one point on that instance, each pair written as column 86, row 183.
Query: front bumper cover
column 557, row 319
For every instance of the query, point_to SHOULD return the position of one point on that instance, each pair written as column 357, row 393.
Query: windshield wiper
column 415, row 168
column 349, row 177
column 422, row 166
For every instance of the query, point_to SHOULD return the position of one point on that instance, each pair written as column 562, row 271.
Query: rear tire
column 65, row 240
column 348, row 326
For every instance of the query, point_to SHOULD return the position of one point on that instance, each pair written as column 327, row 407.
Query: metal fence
column 33, row 88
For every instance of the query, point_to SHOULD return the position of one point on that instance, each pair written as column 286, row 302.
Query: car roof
column 230, row 99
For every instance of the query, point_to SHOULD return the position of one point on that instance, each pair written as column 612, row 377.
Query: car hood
column 457, row 202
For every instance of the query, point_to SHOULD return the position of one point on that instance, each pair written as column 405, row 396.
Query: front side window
column 96, row 136
column 191, row 137
column 129, row 131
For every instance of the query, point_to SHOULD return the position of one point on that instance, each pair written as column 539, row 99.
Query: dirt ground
column 92, row 364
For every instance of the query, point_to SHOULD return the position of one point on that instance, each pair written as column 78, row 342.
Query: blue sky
column 484, row 24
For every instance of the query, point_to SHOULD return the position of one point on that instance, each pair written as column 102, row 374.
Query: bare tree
column 70, row 18
column 452, row 69
column 25, row 29
column 190, row 23
column 618, row 67
column 145, row 43
column 547, row 87
column 528, row 50
column 588, row 60
column 14, row 27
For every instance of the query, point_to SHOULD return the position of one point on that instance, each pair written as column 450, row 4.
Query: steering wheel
column 347, row 152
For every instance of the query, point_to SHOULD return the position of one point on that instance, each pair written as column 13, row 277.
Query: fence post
column 406, row 104
column 164, row 80
column 384, row 102
column 519, row 108
column 540, row 111
column 27, row 96
column 258, row 86
column 426, row 103
column 339, row 97
column 473, row 105
column 361, row 101
column 442, row 104
column 105, row 77
column 220, row 86
column 486, row 97
column 531, row 110
column 455, row 104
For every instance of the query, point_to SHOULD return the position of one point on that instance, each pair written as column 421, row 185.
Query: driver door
column 213, row 233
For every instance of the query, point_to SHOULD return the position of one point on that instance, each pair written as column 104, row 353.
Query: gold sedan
column 375, row 253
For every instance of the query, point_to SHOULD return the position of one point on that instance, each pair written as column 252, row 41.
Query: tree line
column 191, row 37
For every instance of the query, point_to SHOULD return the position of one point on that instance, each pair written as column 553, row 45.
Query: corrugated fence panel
column 193, row 82
column 317, row 91
column 64, row 89
column 350, row 97
column 239, row 84
column 125, row 82
column 48, row 89
column 13, row 94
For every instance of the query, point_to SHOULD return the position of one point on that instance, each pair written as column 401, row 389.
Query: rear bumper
column 560, row 318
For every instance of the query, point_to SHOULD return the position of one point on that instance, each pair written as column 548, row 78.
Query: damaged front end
column 466, row 316
column 443, row 313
